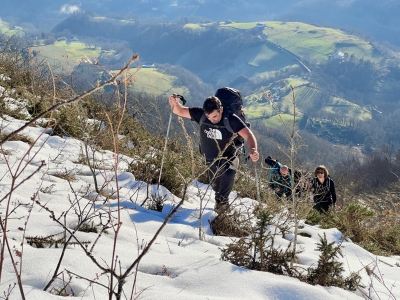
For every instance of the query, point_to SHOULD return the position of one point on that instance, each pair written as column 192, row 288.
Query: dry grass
column 65, row 175
column 20, row 137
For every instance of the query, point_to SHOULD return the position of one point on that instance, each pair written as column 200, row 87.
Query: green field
column 258, row 110
column 194, row 27
column 264, row 112
column 276, row 121
column 265, row 54
column 248, row 25
column 347, row 109
column 306, row 98
column 67, row 55
column 151, row 81
column 296, row 82
column 260, row 59
column 308, row 41
column 147, row 80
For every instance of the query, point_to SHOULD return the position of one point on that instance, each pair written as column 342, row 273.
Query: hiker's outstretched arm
column 177, row 108
column 248, row 135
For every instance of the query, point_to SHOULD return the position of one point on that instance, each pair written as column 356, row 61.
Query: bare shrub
column 20, row 137
column 63, row 285
column 66, row 175
column 245, row 182
column 178, row 162
column 156, row 202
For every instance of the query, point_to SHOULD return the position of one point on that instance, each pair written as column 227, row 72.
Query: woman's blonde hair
column 323, row 168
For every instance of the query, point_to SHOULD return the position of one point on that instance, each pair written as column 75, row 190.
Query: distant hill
column 377, row 19
column 340, row 79
column 224, row 51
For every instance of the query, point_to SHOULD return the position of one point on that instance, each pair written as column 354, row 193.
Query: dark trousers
column 279, row 195
column 222, row 176
column 323, row 205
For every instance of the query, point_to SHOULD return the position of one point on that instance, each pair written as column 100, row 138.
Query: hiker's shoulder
column 196, row 113
column 235, row 121
column 231, row 116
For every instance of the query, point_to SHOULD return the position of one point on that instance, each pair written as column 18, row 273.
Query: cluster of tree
column 353, row 79
column 373, row 174
column 198, row 89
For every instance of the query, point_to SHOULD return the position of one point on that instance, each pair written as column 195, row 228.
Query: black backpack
column 232, row 102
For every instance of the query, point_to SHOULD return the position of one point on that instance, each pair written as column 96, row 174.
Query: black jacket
column 324, row 192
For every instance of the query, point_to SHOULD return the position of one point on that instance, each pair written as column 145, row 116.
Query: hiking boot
column 228, row 224
column 221, row 208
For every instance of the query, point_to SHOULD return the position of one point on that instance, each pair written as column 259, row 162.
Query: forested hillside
column 349, row 93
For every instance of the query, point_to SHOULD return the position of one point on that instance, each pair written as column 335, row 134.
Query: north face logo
column 214, row 134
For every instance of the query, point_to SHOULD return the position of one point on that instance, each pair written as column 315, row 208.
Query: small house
column 261, row 25
column 339, row 55
column 148, row 65
column 72, row 39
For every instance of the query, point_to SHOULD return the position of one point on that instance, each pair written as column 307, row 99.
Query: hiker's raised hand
column 173, row 100
column 254, row 155
column 177, row 103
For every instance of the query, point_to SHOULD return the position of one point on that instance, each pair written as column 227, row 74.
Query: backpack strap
column 274, row 172
column 226, row 121
column 202, row 119
column 225, row 116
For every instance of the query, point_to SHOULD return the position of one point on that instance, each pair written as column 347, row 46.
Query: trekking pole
column 257, row 183
column 166, row 137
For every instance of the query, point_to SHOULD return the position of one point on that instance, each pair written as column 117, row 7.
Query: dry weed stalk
column 292, row 134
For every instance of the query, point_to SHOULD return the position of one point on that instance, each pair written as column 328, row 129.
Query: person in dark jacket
column 215, row 138
column 322, row 189
column 281, row 183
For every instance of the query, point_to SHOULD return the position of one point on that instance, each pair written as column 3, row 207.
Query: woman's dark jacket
column 324, row 192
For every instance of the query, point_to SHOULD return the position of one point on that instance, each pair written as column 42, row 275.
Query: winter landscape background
column 93, row 207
